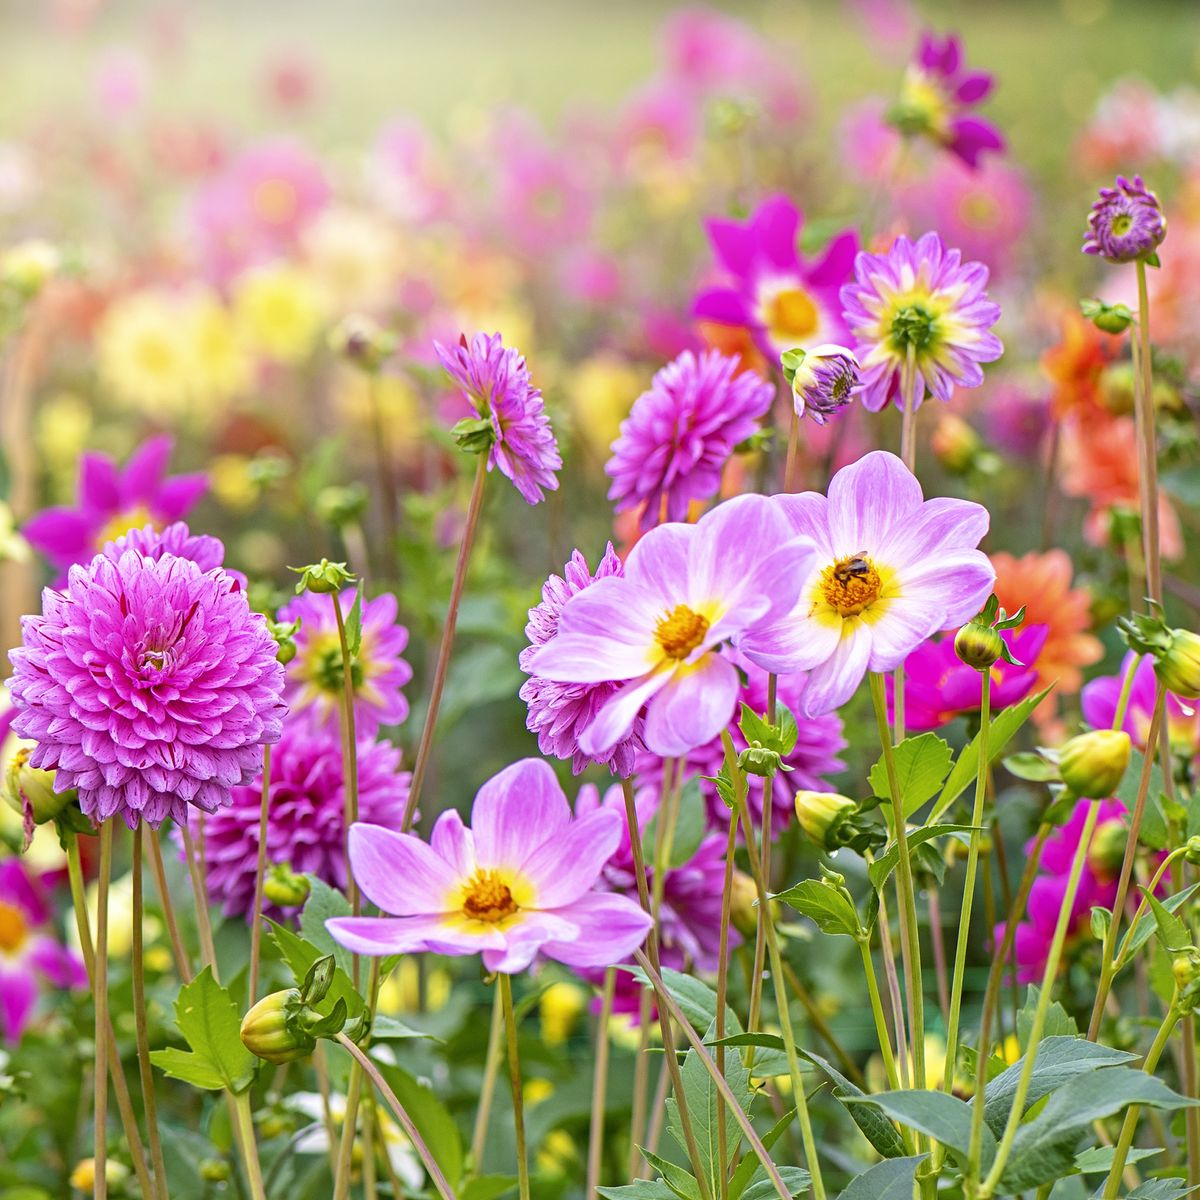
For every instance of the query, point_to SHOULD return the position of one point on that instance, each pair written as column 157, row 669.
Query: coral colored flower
column 307, row 827
column 812, row 761
column 934, row 98
column 520, row 882
column 149, row 686
column 657, row 629
column 495, row 379
column 1076, row 364
column 921, row 321
column 559, row 712
column 939, row 687
column 314, row 677
column 1099, row 703
column 112, row 500
column 891, row 569
column 1126, row 223
column 30, row 955
column 677, row 438
column 772, row 292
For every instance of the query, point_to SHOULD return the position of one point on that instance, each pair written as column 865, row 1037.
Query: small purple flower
column 934, row 98
column 113, row 500
column 1126, row 223
column 520, row 882
column 679, row 435
column 772, row 292
column 149, row 685
column 921, row 321
column 891, row 569
column 559, row 712
column 378, row 672
column 823, row 380
column 307, row 806
column 657, row 630
column 496, row 381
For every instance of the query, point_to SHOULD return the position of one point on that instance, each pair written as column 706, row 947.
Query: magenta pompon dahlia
column 921, row 321
column 823, row 380
column 1126, row 223
column 308, row 823
column 934, row 98
column 208, row 553
column 657, row 630
column 891, row 569
column 520, row 882
column 559, row 712
column 772, row 292
column 680, row 433
column 112, row 500
column 495, row 379
column 378, row 672
column 148, row 685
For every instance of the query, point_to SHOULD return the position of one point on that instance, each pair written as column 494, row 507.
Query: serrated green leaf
column 888, row 1180
column 300, row 954
column 1154, row 831
column 189, row 1067
column 825, row 905
column 1059, row 1023
column 941, row 1116
column 922, row 763
column 682, row 1183
column 643, row 1189
column 696, row 1000
column 323, row 903
column 487, row 1187
column 354, row 623
column 745, row 1169
column 1030, row 765
column 1098, row 1160
column 211, row 1025
column 887, row 862
column 1173, row 934
column 1144, row 930
column 1161, row 1189
column 796, row 1179
column 875, row 1127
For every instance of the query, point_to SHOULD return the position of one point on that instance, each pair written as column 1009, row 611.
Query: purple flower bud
column 1126, row 223
column 824, row 380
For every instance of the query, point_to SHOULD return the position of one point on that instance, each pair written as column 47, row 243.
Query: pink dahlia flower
column 112, row 500
column 148, row 685
column 1126, row 223
column 315, row 681
column 558, row 712
column 519, row 883
column 784, row 302
column 30, row 954
column 307, row 829
column 495, row 379
column 921, row 321
column 891, row 569
column 687, row 589
column 679, row 435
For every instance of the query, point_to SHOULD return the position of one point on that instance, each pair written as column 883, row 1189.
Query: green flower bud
column 820, row 814
column 270, row 1031
column 758, row 761
column 324, row 577
column 286, row 651
column 284, row 887
column 979, row 646
column 214, row 1170
column 1192, row 853
column 1185, row 966
column 1107, row 851
column 30, row 790
column 1093, row 764
column 1178, row 667
column 743, row 906
column 1108, row 318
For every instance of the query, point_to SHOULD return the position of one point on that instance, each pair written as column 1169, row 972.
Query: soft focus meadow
column 600, row 601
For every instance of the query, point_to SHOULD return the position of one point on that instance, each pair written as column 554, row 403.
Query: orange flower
column 1075, row 365
column 1042, row 582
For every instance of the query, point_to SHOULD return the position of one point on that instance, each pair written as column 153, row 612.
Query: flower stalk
column 260, row 870
column 518, row 1093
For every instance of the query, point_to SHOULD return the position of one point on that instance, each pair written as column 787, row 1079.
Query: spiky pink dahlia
column 1126, row 223
column 148, row 685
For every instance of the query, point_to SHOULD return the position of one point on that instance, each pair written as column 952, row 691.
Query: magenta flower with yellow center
column 520, row 882
column 891, row 569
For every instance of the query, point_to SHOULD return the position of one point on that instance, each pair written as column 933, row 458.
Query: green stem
column 100, row 995
column 349, row 760
column 722, row 996
column 793, row 454
column 600, row 1085
column 245, row 1122
column 1151, row 889
column 1126, row 689
column 1039, row 1017
column 208, row 953
column 821, row 1026
column 1144, row 399
column 881, row 1029
column 260, row 870
column 345, row 1158
column 518, row 1094
column 487, row 1089
column 964, row 920
column 183, row 964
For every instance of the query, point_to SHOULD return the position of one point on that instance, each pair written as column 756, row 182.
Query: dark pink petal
column 99, row 488
column 145, row 470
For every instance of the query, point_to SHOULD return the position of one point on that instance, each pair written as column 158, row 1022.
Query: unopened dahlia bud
column 1107, row 851
column 1185, row 966
column 823, row 379
column 30, row 790
column 83, row 1177
column 324, row 577
column 282, row 886
column 1192, row 850
column 1108, row 318
column 820, row 814
column 360, row 340
column 270, row 1032
column 1126, row 223
column 743, row 905
column 1093, row 764
column 979, row 646
column 214, row 1170
column 1178, row 667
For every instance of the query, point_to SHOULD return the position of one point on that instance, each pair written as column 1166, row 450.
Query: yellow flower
column 560, row 1007
column 601, row 391
column 399, row 991
column 557, row 1154
column 83, row 1177
column 63, row 431
column 232, row 482
column 279, row 312
column 120, row 918
column 537, row 1090
column 355, row 258
column 143, row 354
column 220, row 365
column 13, row 547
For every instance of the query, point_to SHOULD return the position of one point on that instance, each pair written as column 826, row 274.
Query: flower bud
column 30, row 790
column 282, row 886
column 28, row 266
column 1192, row 852
column 360, row 340
column 743, row 905
column 1178, row 668
column 341, row 506
column 324, row 577
column 977, row 645
column 269, row 1033
column 214, row 1170
column 1185, row 966
column 820, row 814
column 1108, row 318
column 955, row 443
column 83, row 1177
column 1093, row 764
column 1107, row 851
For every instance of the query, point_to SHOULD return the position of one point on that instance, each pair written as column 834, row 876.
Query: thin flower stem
column 821, row 1026
column 100, row 996
column 1017, row 1111
column 140, row 1024
column 1192, row 1091
column 641, row 1081
column 1107, row 958
column 722, row 997
column 183, row 964
column 321, row 1069
column 208, row 953
column 600, row 1085
column 260, row 870
column 518, row 1094
column 964, row 920
column 354, row 1088
column 881, row 1029
column 1129, row 1125
column 349, row 765
column 1144, row 399
column 421, row 765
column 1126, row 689
column 937, row 936
column 895, row 1003
column 487, row 1089
column 1151, row 889
column 245, row 1123
column 793, row 454
column 120, row 1087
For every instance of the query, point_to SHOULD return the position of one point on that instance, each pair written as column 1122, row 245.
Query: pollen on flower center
column 851, row 585
column 122, row 523
column 680, row 631
column 12, row 928
column 791, row 313
column 913, row 325
column 488, row 897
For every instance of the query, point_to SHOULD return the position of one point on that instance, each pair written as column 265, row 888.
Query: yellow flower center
column 680, row 631
column 275, row 200
column 123, row 522
column 12, row 928
column 851, row 585
column 488, row 897
column 791, row 315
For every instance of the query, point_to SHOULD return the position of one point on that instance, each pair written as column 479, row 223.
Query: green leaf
column 300, row 954
column 1001, row 730
column 323, row 903
column 1098, row 1160
column 922, row 762
column 889, row 1180
column 431, row 1117
column 209, row 1021
column 1147, row 925
column 487, row 1187
column 1161, row 1189
column 827, row 906
column 1173, row 934
column 1045, row 1148
column 696, row 1000
column 682, row 1183
column 1030, row 765
column 1059, row 1023
column 944, row 1117
column 764, row 1066
column 644, row 1189
column 796, row 1179
column 354, row 623
column 188, row 1067
column 887, row 862
column 876, row 1128
column 745, row 1170
column 1154, row 831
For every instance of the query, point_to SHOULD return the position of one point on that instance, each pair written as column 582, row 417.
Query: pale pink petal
column 564, row 869
column 615, row 719
column 611, row 929
column 516, row 811
column 869, row 498
column 834, row 681
column 693, row 708
column 527, row 937
column 452, row 841
column 960, row 583
column 797, row 643
column 808, row 514
column 398, row 871
column 658, row 563
column 378, row 936
column 942, row 526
